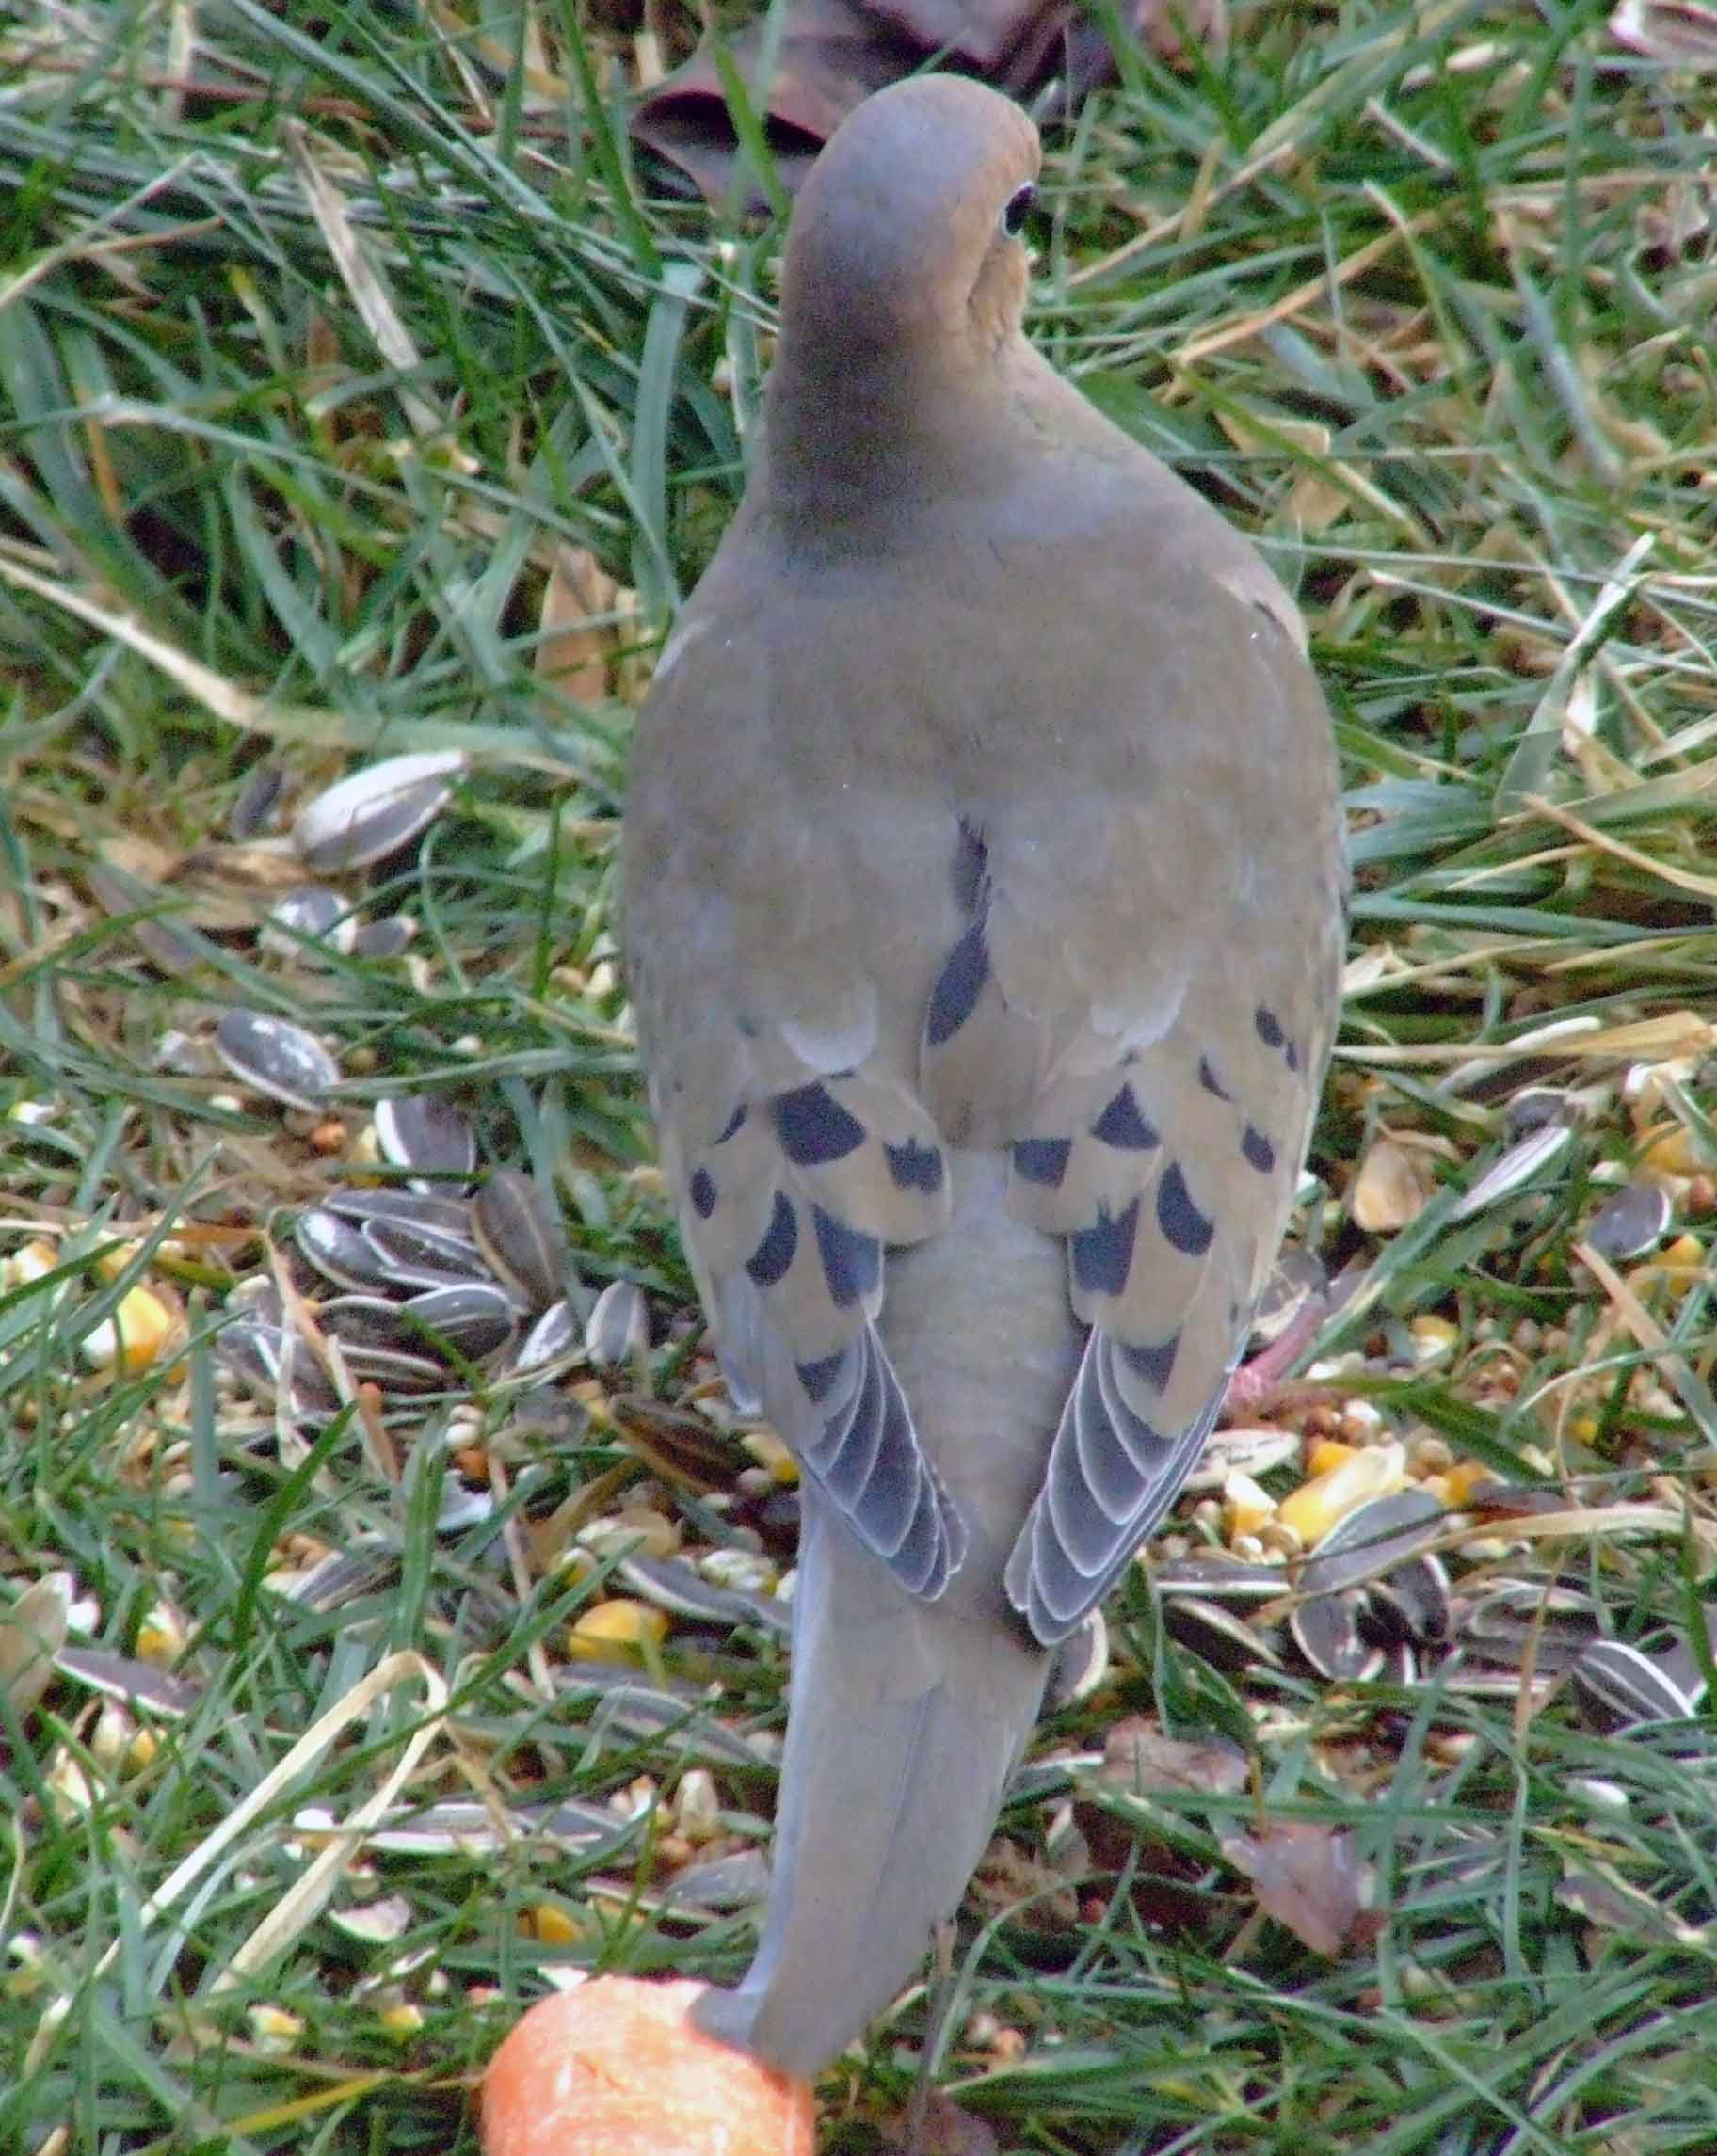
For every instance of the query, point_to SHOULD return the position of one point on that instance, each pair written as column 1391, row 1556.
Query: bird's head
column 906, row 239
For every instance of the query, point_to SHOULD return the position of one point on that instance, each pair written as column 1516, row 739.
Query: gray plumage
column 983, row 913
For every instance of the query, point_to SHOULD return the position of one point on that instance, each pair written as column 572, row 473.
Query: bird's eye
column 1018, row 208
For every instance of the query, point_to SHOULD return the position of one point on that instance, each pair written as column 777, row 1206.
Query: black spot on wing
column 1274, row 1036
column 813, row 1128
column 1156, row 1364
column 1042, row 1161
column 818, row 1378
column 1184, row 1225
column 1121, row 1125
column 1209, row 1081
column 769, row 1261
column 1103, row 1253
column 970, row 859
column 914, row 1167
column 959, row 985
column 735, row 1123
column 852, row 1263
column 1257, row 1150
column 703, row 1192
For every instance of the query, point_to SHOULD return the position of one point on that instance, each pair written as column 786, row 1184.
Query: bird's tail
column 906, row 1720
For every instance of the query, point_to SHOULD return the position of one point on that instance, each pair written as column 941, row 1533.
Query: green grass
column 1423, row 297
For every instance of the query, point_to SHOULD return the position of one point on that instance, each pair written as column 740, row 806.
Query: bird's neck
column 858, row 440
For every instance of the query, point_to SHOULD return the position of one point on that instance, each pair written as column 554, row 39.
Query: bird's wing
column 771, row 904
column 1180, row 956
column 1111, row 951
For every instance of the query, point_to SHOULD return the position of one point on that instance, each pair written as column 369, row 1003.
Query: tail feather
column 907, row 1719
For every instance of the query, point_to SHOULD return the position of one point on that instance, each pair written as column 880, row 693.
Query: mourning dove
column 983, row 901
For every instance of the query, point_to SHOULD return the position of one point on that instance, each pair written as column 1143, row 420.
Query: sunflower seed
column 587, row 1830
column 448, row 1217
column 462, row 1507
column 1244, row 1452
column 393, row 1369
column 1326, row 1631
column 1220, row 1579
column 416, row 1256
column 118, row 1677
column 248, row 1344
column 1413, row 1603
column 618, row 1327
column 1297, row 1276
column 312, row 914
column 1078, row 1666
column 673, row 1584
column 258, row 799
column 1631, row 1222
column 1528, row 1158
column 1218, row 1635
column 341, row 1253
column 384, row 939
column 472, row 1317
column 424, row 1134
column 1685, row 1668
column 553, row 1338
column 370, row 813
column 367, row 1563
column 632, row 1709
column 365, row 1322
column 1476, row 1679
column 1373, row 1539
column 275, row 1057
column 519, row 1234
column 721, row 1883
column 1514, row 1618
column 1534, row 1108
column 1619, row 1686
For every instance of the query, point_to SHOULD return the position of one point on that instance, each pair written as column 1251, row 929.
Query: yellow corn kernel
column 140, row 1332
column 1327, row 1455
column 274, row 2030
column 627, row 1626
column 768, row 1451
column 1246, row 1507
column 1315, row 1507
column 161, row 1637
column 1674, row 1152
column 553, row 1925
column 30, row 1263
column 1463, row 1478
column 1433, row 1336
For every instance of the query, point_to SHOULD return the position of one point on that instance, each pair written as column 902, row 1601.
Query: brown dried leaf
column 1606, row 1901
column 32, row 1632
column 832, row 54
column 574, row 649
column 1679, row 30
column 1033, row 1892
column 1138, row 1757
column 943, row 2128
column 1306, row 1875
column 1393, row 1187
